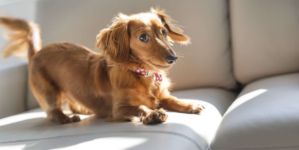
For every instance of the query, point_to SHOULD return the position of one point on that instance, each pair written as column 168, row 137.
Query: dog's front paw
column 76, row 118
column 155, row 117
column 196, row 108
column 66, row 119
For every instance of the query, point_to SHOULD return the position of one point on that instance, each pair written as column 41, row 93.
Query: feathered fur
column 23, row 37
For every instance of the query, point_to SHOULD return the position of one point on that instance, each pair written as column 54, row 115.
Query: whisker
column 179, row 55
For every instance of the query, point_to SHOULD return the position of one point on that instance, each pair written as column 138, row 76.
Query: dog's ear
column 174, row 32
column 115, row 40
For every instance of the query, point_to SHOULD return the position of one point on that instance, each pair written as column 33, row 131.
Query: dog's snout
column 171, row 59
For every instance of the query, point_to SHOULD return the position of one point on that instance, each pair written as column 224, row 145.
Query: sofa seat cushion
column 31, row 130
column 264, row 116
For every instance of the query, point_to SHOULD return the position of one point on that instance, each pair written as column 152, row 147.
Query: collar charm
column 158, row 76
column 146, row 73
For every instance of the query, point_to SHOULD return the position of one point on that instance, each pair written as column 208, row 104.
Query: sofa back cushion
column 265, row 38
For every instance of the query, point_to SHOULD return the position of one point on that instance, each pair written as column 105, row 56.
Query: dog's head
column 143, row 38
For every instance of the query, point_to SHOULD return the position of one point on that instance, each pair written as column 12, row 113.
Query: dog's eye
column 144, row 37
column 164, row 33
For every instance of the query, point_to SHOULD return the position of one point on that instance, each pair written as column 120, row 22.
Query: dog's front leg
column 139, row 113
column 173, row 104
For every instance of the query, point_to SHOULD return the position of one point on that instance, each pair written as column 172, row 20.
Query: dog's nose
column 171, row 59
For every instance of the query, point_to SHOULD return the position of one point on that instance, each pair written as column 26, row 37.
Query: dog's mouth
column 153, row 64
column 160, row 66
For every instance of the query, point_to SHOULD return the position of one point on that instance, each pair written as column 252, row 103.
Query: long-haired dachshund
column 127, row 82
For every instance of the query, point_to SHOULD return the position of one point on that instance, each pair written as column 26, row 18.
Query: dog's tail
column 23, row 36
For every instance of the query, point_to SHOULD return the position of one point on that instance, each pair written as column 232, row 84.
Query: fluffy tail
column 23, row 36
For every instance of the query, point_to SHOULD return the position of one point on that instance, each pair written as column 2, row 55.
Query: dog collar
column 146, row 73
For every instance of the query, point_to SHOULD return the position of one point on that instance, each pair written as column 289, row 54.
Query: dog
column 127, row 82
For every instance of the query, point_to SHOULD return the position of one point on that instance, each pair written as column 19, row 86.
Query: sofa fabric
column 265, row 36
column 13, row 82
column 264, row 116
column 31, row 130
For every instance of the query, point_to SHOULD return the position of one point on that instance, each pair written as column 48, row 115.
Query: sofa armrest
column 13, row 89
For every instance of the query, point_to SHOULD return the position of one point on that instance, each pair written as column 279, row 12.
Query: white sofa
column 242, row 65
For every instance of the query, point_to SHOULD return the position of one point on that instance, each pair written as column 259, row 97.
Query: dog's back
column 64, row 63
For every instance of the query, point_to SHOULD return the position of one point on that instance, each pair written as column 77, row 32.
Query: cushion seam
column 83, row 134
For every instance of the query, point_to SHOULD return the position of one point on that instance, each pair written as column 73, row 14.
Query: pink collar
column 146, row 73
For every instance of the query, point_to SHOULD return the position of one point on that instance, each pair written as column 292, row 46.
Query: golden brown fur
column 104, row 84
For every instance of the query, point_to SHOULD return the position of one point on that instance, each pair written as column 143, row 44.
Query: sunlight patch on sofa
column 13, row 147
column 38, row 113
column 22, row 117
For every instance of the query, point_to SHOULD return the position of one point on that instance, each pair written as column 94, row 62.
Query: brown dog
column 127, row 82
